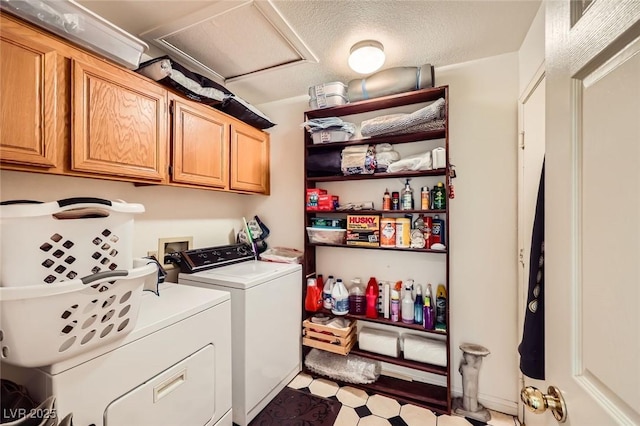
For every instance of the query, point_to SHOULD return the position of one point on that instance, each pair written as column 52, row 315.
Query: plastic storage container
column 46, row 243
column 326, row 235
column 46, row 324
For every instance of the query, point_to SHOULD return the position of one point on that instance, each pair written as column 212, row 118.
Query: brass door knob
column 538, row 402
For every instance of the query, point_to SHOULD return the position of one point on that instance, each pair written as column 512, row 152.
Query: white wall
column 482, row 141
column 531, row 53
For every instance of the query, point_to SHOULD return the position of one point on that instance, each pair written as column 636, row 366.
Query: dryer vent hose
column 390, row 82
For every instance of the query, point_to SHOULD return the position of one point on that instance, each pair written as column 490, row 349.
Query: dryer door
column 184, row 394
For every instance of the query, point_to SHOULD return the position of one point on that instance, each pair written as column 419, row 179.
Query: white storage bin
column 45, row 324
column 328, row 100
column 326, row 235
column 46, row 243
column 333, row 88
column 328, row 136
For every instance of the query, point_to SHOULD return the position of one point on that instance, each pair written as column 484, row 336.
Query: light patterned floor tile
column 501, row 419
column 383, row 406
column 323, row 387
column 302, row 380
column 453, row 421
column 352, row 397
column 346, row 417
column 373, row 421
column 418, row 416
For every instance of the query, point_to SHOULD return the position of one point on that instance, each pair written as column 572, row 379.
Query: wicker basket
column 44, row 324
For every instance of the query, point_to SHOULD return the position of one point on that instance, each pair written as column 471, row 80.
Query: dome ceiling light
column 366, row 56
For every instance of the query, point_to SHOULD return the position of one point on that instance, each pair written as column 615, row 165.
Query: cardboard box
column 363, row 230
column 312, row 197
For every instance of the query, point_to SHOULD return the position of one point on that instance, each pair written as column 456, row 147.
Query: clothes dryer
column 266, row 310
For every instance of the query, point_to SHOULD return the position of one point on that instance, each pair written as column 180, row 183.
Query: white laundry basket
column 46, row 243
column 44, row 324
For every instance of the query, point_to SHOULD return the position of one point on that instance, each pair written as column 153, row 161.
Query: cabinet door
column 200, row 137
column 30, row 122
column 249, row 159
column 119, row 123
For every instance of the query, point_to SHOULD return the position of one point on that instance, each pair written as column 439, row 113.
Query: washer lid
column 243, row 275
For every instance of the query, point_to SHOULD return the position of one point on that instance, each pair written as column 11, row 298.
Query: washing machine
column 266, row 310
column 174, row 368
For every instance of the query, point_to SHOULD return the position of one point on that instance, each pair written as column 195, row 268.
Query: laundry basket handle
column 83, row 200
column 102, row 275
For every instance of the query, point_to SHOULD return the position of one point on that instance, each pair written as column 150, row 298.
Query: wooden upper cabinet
column 119, row 123
column 200, row 145
column 249, row 159
column 32, row 118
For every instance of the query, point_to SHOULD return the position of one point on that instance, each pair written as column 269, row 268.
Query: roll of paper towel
column 423, row 349
column 379, row 341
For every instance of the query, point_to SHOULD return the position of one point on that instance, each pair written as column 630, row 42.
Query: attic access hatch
column 230, row 40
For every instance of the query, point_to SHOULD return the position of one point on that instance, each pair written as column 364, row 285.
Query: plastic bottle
column 371, row 295
column 418, row 306
column 357, row 300
column 441, row 308
column 407, row 303
column 326, row 292
column 311, row 298
column 425, row 198
column 339, row 298
column 428, row 320
column 395, row 305
column 395, row 201
column 438, row 230
column 439, row 197
column 386, row 200
column 407, row 197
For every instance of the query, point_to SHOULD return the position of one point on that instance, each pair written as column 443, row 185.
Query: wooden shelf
column 425, row 395
column 382, row 320
column 402, row 175
column 421, row 250
column 416, row 365
column 380, row 212
column 393, row 140
column 384, row 102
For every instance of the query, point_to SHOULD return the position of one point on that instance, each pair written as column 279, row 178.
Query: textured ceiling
column 439, row 32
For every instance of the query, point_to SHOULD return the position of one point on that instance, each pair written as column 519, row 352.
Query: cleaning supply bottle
column 441, row 308
column 425, row 202
column 371, row 295
column 428, row 320
column 386, row 200
column 438, row 230
column 418, row 306
column 407, row 303
column 339, row 299
column 312, row 296
column 439, row 197
column 326, row 292
column 406, row 199
column 357, row 299
column 395, row 305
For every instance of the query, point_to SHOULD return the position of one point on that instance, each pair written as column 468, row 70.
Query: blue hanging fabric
column 531, row 348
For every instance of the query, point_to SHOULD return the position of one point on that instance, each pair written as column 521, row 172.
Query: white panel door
column 592, row 210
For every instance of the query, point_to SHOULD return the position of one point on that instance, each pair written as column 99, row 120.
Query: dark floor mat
column 292, row 407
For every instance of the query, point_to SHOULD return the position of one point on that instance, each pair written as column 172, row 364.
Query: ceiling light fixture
column 366, row 56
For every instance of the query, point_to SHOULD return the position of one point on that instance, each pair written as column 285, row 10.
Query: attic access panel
column 230, row 40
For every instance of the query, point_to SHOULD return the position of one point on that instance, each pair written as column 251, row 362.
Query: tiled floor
column 362, row 409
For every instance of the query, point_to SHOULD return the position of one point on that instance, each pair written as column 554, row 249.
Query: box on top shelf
column 328, row 94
